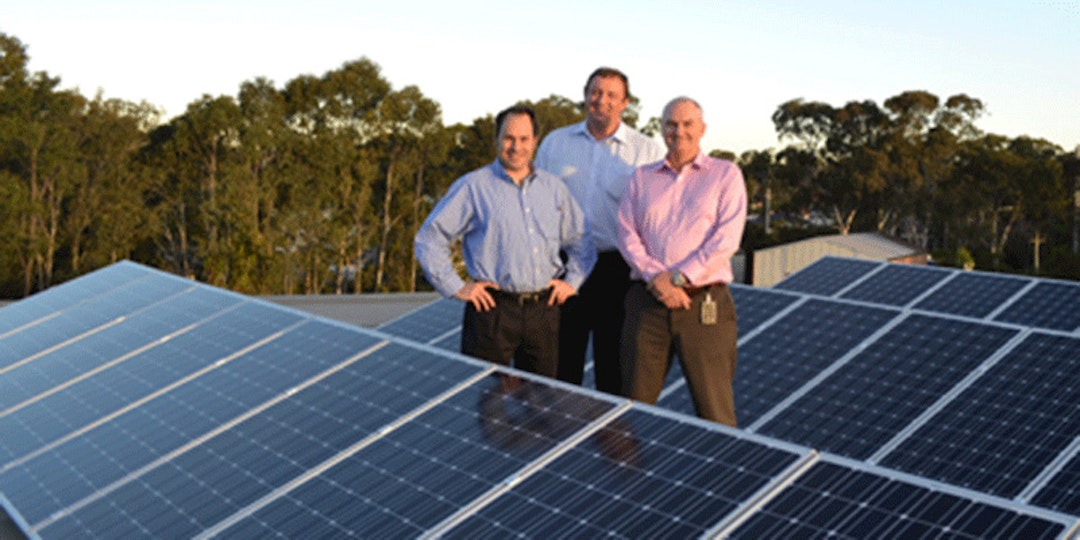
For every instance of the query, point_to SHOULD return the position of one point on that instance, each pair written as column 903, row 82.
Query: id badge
column 708, row 310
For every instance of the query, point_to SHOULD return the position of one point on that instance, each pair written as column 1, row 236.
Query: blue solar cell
column 104, row 308
column 972, row 294
column 1062, row 492
column 1001, row 432
column 755, row 306
column 83, row 465
column 640, row 476
column 896, row 284
column 428, row 322
column 827, row 276
column 137, row 330
column 417, row 475
column 68, row 294
column 1049, row 304
column 794, row 350
column 52, row 417
column 213, row 480
column 837, row 501
column 879, row 391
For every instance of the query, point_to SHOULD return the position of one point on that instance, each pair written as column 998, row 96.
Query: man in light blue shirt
column 513, row 221
column 596, row 159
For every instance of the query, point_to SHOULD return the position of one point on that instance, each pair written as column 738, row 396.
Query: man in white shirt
column 596, row 159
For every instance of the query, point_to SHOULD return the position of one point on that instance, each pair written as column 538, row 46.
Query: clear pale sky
column 739, row 59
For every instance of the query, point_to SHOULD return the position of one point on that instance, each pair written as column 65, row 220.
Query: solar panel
column 136, row 438
column 896, row 284
column 1062, row 490
column 792, row 351
column 107, row 308
column 48, row 418
column 642, row 475
column 174, row 409
column 68, row 294
column 428, row 323
column 1008, row 426
column 868, row 398
column 1049, row 304
column 827, row 276
column 210, row 481
column 413, row 477
column 973, row 294
column 844, row 499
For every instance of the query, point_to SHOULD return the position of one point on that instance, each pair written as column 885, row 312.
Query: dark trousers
column 525, row 331
column 706, row 351
column 596, row 309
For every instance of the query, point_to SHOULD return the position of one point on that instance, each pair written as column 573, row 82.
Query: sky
column 740, row 60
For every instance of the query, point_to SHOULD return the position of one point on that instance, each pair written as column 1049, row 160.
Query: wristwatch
column 678, row 279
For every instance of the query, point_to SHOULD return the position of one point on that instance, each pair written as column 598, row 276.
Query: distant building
column 771, row 265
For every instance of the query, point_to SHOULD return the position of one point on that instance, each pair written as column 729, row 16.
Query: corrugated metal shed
column 771, row 265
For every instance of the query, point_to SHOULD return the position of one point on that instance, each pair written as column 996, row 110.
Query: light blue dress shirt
column 597, row 172
column 511, row 235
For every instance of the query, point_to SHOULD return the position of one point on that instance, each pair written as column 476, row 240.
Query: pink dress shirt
column 690, row 220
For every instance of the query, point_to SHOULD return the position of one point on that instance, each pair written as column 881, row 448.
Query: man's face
column 683, row 128
column 606, row 99
column 516, row 143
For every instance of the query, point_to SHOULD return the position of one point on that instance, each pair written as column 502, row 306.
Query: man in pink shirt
column 680, row 222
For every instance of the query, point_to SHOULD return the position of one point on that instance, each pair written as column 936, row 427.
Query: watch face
column 678, row 280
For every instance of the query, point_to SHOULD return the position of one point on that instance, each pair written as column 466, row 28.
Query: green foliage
column 319, row 185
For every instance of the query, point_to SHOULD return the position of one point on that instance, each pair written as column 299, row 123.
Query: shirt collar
column 618, row 136
column 500, row 173
column 699, row 162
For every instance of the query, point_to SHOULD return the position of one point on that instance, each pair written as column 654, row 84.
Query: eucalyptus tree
column 38, row 151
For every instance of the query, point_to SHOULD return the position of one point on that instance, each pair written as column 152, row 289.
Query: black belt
column 523, row 298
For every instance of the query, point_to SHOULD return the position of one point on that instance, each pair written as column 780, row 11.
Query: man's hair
column 609, row 72
column 681, row 99
column 512, row 111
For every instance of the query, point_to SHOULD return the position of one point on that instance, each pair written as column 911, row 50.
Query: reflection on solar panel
column 413, row 477
column 147, row 405
column 635, row 478
column 827, row 276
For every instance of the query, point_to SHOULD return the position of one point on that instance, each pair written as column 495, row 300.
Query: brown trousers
column 706, row 351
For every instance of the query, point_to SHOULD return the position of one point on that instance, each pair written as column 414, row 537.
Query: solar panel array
column 137, row 404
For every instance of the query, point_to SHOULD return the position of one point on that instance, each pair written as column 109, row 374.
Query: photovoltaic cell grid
column 973, row 294
column 837, row 499
column 879, row 391
column 896, row 284
column 209, row 482
column 999, row 435
column 827, row 276
column 628, row 480
column 791, row 352
column 1048, row 304
column 68, row 294
column 415, row 476
column 187, row 465
column 1053, row 305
